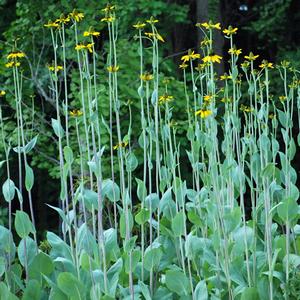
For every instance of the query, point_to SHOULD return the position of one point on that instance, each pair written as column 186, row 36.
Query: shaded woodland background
column 268, row 28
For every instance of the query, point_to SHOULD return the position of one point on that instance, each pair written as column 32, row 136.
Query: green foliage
column 23, row 224
column 177, row 282
column 272, row 23
column 39, row 56
column 134, row 221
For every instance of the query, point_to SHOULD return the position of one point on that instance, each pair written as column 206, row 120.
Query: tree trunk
column 202, row 16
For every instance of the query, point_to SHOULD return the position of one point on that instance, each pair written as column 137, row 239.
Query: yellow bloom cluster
column 207, row 98
column 109, row 8
column 13, row 59
column 266, row 65
column 272, row 116
column 226, row 99
column 55, row 69
column 206, row 42
column 139, row 25
column 245, row 64
column 109, row 13
column 251, row 57
column 52, row 24
column 295, row 83
column 113, row 69
column 76, row 16
column 88, row 47
column 230, row 31
column 203, row 113
column 91, row 33
column 235, row 51
column 201, row 67
column 183, row 66
column 2, row 93
column 190, row 56
column 209, row 25
column 225, row 77
column 165, row 98
column 146, row 77
column 282, row 98
column 12, row 64
column 120, row 145
column 76, row 113
column 108, row 19
column 152, row 21
column 285, row 63
column 246, row 109
column 15, row 55
column 155, row 35
column 64, row 19
column 212, row 58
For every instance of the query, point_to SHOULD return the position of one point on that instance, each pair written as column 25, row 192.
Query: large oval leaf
column 177, row 282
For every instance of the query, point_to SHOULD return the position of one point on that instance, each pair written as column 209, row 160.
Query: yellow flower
column 152, row 21
column 109, row 19
column 265, row 65
column 88, row 47
column 209, row 25
column 51, row 24
column 79, row 47
column 91, row 33
column 235, row 51
column 12, row 64
column 120, row 145
column 108, row 8
column 282, row 98
column 166, row 80
column 225, row 77
column 139, row 25
column 204, row 113
column 63, row 19
column 146, row 77
column 53, row 69
column 76, row 16
column 159, row 37
column 149, row 34
column 207, row 98
column 15, row 55
column 251, row 57
column 285, row 63
column 165, row 98
column 230, row 31
column 190, row 56
column 129, row 102
column 113, row 69
column 246, row 109
column 201, row 67
column 183, row 66
column 226, row 100
column 212, row 58
column 206, row 42
column 76, row 113
column 272, row 116
column 2, row 93
column 245, row 64
column 155, row 35
column 295, row 83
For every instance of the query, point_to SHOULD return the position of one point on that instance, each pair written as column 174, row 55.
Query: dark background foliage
column 268, row 28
